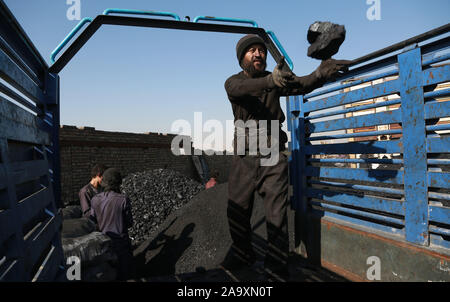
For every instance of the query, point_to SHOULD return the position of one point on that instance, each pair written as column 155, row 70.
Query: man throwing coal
column 254, row 94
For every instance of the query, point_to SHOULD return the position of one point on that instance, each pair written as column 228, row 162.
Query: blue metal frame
column 22, row 67
column 411, row 216
column 140, row 12
column 219, row 19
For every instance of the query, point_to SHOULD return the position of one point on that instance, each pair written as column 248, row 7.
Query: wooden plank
column 19, row 79
column 20, row 125
column 28, row 170
column 381, row 118
column 31, row 205
column 371, row 147
column 374, row 175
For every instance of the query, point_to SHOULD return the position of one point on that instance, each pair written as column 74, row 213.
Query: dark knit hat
column 245, row 42
column 112, row 179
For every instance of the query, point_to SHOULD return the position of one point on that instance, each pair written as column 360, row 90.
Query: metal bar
column 437, row 93
column 68, row 38
column 358, row 222
column 434, row 46
column 39, row 240
column 439, row 195
column 20, row 62
column 353, row 82
column 381, row 118
column 218, row 19
column 442, row 127
column 438, row 161
column 157, row 23
column 48, row 271
column 357, row 160
column 356, row 134
column 372, row 175
column 30, row 206
column 16, row 97
column 437, row 109
column 440, row 231
column 7, row 225
column 398, row 46
column 28, row 170
column 436, row 59
column 19, row 42
column 414, row 146
column 17, row 78
column 435, row 75
column 364, row 201
column 140, row 12
column 438, row 144
column 354, row 109
column 359, row 213
column 358, row 187
column 359, row 95
column 439, row 180
column 18, row 124
column 371, row 147
column 281, row 48
column 439, row 214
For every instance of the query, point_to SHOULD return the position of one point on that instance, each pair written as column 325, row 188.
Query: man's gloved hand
column 280, row 77
column 331, row 68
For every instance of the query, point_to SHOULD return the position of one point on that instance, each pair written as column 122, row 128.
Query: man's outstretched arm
column 326, row 71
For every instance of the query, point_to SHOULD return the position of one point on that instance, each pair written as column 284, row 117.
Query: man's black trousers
column 248, row 176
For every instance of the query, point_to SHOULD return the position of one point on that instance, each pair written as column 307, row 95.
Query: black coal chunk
column 325, row 39
column 155, row 195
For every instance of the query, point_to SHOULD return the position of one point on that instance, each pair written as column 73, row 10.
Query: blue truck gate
column 395, row 190
column 30, row 241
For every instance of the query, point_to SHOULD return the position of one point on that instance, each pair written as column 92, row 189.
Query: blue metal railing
column 317, row 161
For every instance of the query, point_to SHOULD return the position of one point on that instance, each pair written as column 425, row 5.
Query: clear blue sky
column 140, row 79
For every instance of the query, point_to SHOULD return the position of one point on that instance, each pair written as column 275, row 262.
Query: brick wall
column 82, row 147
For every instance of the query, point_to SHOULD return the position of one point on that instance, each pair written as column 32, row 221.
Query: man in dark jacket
column 91, row 189
column 112, row 212
column 254, row 94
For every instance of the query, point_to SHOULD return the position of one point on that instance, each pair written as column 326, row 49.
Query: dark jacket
column 86, row 193
column 259, row 99
column 112, row 211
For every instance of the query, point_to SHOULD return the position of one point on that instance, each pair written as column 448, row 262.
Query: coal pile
column 196, row 237
column 154, row 195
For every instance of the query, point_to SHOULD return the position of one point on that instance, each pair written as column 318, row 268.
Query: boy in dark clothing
column 112, row 211
column 91, row 189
